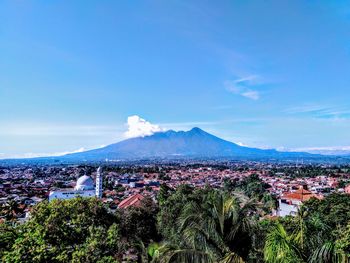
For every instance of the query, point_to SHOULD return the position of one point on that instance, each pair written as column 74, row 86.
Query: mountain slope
column 195, row 143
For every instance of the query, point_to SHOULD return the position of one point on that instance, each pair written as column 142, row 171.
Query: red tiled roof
column 347, row 189
column 133, row 200
column 300, row 195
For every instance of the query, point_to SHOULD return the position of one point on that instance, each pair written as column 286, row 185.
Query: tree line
column 226, row 225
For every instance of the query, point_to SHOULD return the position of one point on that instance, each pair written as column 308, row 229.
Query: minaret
column 99, row 180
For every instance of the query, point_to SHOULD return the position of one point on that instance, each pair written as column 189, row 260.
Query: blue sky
column 262, row 73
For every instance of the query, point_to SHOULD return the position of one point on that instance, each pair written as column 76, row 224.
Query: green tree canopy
column 78, row 230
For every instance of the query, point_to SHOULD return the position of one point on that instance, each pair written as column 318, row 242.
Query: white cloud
column 138, row 127
column 42, row 129
column 243, row 88
column 326, row 150
column 252, row 79
column 241, row 144
column 321, row 111
column 305, row 109
column 331, row 148
column 35, row 155
column 251, row 94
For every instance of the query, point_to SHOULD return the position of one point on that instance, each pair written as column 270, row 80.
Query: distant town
column 127, row 185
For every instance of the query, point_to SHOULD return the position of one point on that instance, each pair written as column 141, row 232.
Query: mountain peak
column 193, row 131
column 196, row 130
column 195, row 143
column 169, row 131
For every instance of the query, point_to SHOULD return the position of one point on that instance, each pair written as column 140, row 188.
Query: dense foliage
column 182, row 225
column 62, row 231
column 318, row 233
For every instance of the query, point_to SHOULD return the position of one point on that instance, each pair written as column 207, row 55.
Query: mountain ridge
column 195, row 143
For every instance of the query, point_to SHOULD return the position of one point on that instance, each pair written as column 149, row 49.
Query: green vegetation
column 66, row 231
column 10, row 210
column 184, row 225
column 317, row 234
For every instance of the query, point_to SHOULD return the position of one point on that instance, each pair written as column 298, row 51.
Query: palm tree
column 280, row 247
column 219, row 229
column 283, row 247
column 317, row 232
column 327, row 253
column 167, row 253
column 11, row 210
column 301, row 230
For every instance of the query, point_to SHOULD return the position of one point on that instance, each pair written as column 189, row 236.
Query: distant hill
column 195, row 143
column 330, row 152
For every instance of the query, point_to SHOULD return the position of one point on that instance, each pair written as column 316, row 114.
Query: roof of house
column 133, row 200
column 301, row 195
column 347, row 189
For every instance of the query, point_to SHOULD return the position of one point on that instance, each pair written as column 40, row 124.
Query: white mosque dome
column 85, row 183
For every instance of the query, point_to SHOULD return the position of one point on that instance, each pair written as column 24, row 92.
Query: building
column 133, row 200
column 347, row 189
column 290, row 201
column 84, row 187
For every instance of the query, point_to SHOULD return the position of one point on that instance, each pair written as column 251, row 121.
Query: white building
column 287, row 209
column 85, row 187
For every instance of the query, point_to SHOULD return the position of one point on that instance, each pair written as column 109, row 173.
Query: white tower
column 99, row 180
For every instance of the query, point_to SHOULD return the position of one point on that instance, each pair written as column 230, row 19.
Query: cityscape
column 174, row 131
column 31, row 185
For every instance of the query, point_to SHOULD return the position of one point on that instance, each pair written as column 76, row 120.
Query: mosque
column 84, row 187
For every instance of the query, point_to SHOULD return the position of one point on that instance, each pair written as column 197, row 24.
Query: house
column 290, row 201
column 133, row 200
column 347, row 189
column 299, row 196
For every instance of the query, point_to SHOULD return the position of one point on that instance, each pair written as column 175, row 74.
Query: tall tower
column 99, row 180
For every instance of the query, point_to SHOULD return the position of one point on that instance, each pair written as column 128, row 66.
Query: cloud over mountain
column 138, row 127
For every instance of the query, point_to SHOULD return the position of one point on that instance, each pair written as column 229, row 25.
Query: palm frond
column 232, row 258
column 327, row 253
column 279, row 247
column 186, row 256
